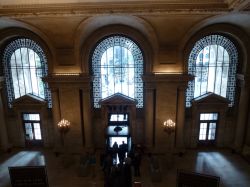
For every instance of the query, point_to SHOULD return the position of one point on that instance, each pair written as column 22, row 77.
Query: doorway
column 32, row 129
column 207, row 130
column 118, row 139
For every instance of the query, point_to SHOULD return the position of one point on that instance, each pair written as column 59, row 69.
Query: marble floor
column 231, row 168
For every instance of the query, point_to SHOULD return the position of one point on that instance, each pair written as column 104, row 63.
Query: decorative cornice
column 135, row 7
column 68, row 80
column 242, row 5
column 233, row 3
column 167, row 78
column 179, row 80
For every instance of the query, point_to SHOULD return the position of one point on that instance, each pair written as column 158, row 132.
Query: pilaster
column 56, row 116
column 242, row 113
column 165, row 98
column 4, row 143
column 149, row 114
column 180, row 119
column 87, row 118
column 67, row 104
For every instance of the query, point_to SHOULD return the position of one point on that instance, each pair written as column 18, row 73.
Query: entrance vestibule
column 118, row 117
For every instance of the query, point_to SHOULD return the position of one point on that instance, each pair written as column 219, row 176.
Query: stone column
column 4, row 143
column 242, row 117
column 180, row 119
column 56, row 116
column 149, row 112
column 88, row 128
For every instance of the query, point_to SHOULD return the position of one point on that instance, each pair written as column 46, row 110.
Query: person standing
column 122, row 152
column 115, row 151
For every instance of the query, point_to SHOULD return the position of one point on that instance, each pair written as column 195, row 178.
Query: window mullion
column 106, row 68
column 222, row 68
column 121, row 69
column 114, row 66
column 17, row 76
column 128, row 70
column 216, row 64
column 38, row 89
column 30, row 70
column 207, row 131
column 208, row 67
column 201, row 70
column 22, row 69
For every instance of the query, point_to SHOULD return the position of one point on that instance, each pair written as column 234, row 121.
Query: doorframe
column 207, row 142
column 110, row 146
column 32, row 143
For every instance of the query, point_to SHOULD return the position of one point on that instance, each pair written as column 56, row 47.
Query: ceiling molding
column 243, row 5
column 44, row 2
column 135, row 7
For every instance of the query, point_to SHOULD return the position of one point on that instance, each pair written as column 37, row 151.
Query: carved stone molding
column 179, row 79
column 96, row 8
column 68, row 80
column 238, row 4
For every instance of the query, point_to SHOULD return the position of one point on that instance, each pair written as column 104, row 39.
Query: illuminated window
column 208, row 123
column 32, row 127
column 24, row 66
column 213, row 62
column 117, row 65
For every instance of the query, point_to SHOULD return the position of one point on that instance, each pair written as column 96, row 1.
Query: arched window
column 213, row 62
column 117, row 65
column 24, row 66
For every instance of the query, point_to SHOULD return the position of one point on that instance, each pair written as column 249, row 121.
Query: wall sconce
column 169, row 126
column 63, row 127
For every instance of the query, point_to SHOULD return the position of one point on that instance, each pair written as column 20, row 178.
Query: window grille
column 117, row 65
column 24, row 66
column 213, row 62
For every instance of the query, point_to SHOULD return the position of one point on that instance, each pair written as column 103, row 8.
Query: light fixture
column 169, row 126
column 117, row 129
column 63, row 127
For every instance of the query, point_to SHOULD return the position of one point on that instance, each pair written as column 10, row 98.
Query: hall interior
column 170, row 76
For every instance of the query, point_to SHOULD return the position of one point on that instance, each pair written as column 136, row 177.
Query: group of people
column 120, row 173
column 117, row 163
column 120, row 151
